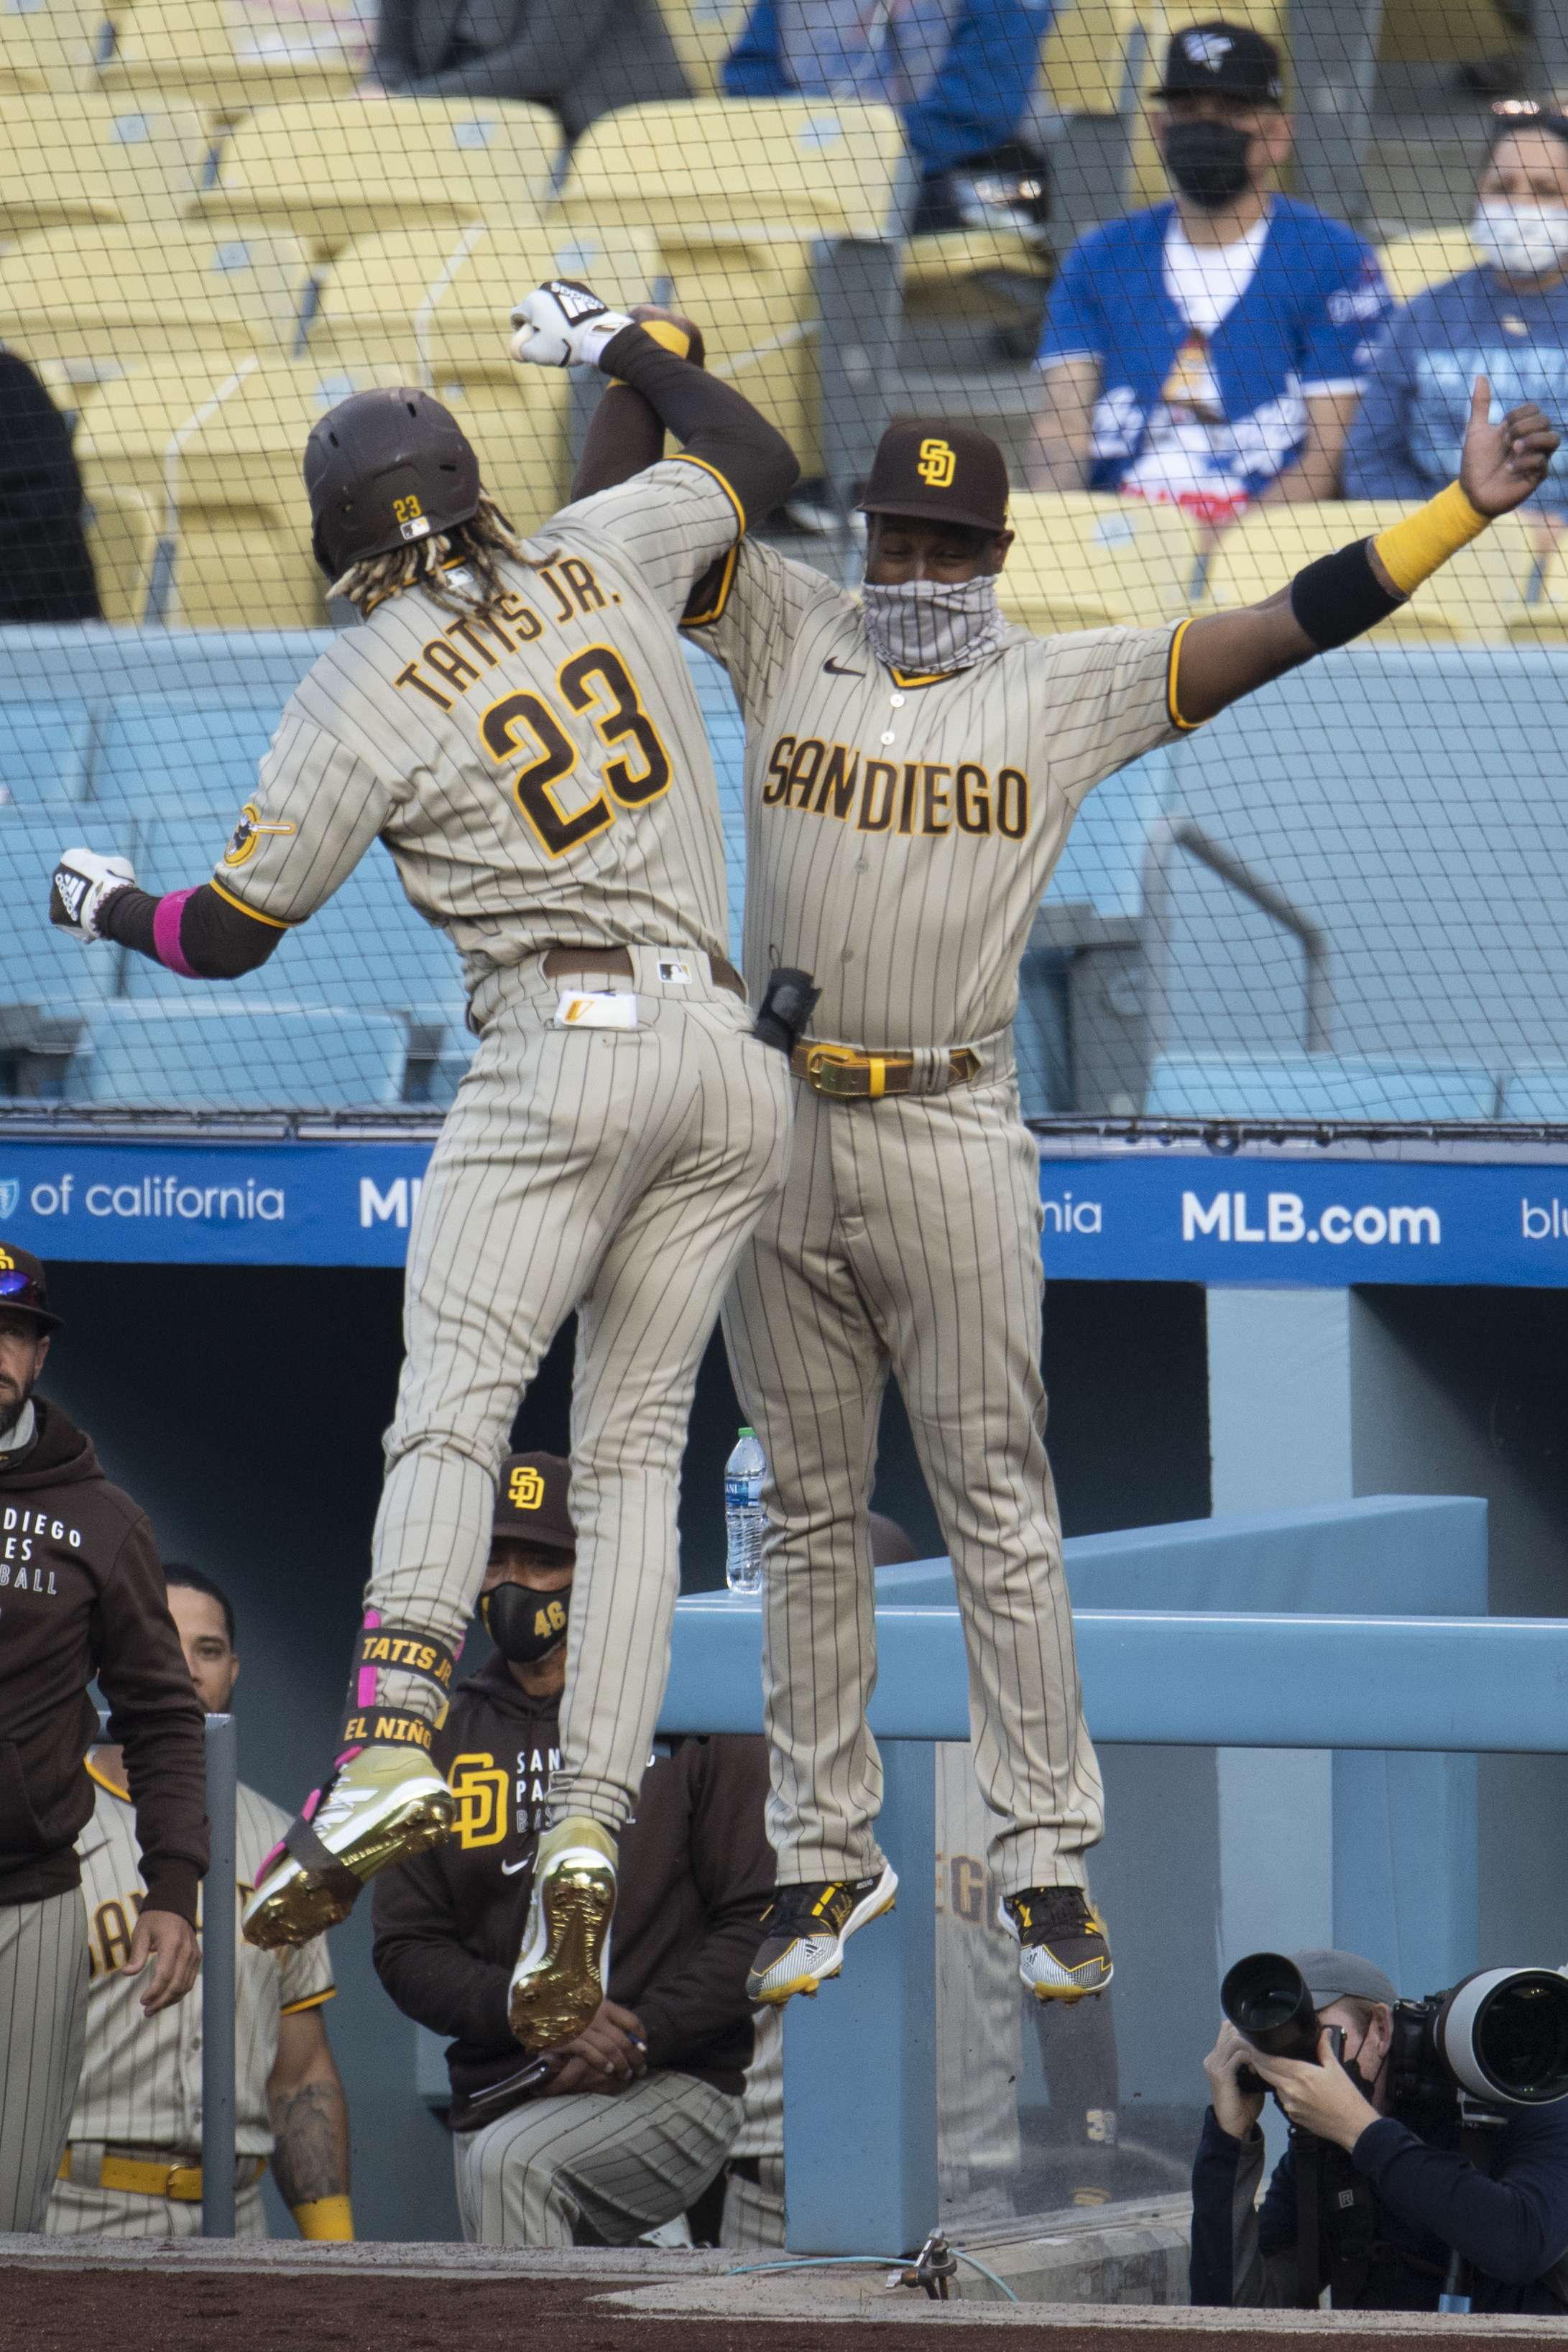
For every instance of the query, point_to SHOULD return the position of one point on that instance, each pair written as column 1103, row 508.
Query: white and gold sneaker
column 808, row 1928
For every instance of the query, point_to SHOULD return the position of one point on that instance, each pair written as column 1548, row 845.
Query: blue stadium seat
column 1536, row 1094
column 231, row 1053
column 46, row 745
column 1318, row 1086
column 186, row 755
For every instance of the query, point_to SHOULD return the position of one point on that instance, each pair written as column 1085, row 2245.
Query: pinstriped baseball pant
column 43, row 2032
column 907, row 1240
column 626, row 2161
column 619, row 1173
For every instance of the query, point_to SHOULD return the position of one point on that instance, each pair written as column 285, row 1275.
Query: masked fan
column 1210, row 351
column 1506, row 320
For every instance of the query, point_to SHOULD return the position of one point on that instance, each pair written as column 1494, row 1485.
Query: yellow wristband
column 1411, row 550
column 325, row 2217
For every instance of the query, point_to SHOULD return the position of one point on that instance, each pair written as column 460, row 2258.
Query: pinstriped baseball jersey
column 926, row 815
column 539, row 774
column 141, row 2081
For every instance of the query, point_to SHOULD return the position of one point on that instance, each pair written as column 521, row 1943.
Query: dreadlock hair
column 476, row 545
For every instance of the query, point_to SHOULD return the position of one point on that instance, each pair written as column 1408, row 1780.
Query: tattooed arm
column 310, row 2129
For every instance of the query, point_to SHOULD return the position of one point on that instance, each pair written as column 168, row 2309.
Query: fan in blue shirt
column 1507, row 320
column 1210, row 351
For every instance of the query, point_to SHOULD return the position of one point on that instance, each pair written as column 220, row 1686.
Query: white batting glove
column 563, row 325
column 80, row 884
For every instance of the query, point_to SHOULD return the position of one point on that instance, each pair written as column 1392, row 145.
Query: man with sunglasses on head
column 81, row 1595
column 624, row 2126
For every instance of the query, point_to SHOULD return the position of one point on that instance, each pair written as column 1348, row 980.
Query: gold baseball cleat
column 565, row 1964
column 385, row 1805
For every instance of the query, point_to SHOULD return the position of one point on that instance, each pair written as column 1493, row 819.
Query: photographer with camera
column 1429, row 2161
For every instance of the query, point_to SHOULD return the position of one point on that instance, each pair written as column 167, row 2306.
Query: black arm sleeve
column 624, row 437
column 713, row 420
column 217, row 939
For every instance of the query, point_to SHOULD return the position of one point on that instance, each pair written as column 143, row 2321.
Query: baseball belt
column 846, row 1073
column 561, row 962
column 145, row 2176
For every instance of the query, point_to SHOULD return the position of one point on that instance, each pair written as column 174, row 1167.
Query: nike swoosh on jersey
column 838, row 670
column 510, row 1869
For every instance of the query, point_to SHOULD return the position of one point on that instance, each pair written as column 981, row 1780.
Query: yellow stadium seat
column 1414, row 263
column 216, row 449
column 703, row 33
column 393, row 300
column 1477, row 598
column 1415, row 32
column 207, row 53
column 332, row 170
column 122, row 541
column 1084, row 59
column 45, row 45
column 1083, row 562
column 431, row 306
column 67, row 159
column 107, row 299
column 738, row 193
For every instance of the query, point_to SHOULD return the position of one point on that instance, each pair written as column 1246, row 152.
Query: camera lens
column 1268, row 2001
column 1521, row 2036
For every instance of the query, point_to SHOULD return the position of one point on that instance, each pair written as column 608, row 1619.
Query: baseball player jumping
column 518, row 724
column 912, row 766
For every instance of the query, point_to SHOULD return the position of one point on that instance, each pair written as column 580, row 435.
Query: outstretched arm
column 1229, row 655
column 624, row 437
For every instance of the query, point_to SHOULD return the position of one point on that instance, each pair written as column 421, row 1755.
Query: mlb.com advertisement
column 1177, row 1217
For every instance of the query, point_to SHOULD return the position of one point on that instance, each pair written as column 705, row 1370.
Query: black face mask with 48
column 524, row 1624
column 1207, row 162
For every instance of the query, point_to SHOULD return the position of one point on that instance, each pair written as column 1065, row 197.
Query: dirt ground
column 62, row 2311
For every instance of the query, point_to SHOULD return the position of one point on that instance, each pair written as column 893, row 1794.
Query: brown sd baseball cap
column 948, row 473
column 24, row 1289
column 531, row 1501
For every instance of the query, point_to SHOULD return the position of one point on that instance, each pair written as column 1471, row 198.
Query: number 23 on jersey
column 595, row 684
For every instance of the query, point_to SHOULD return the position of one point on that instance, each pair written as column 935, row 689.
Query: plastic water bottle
column 746, row 1521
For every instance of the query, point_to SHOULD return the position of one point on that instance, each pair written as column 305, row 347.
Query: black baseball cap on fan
column 942, row 473
column 1214, row 59
column 24, row 1287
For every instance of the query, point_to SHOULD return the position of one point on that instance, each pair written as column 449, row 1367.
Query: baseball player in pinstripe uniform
column 133, row 2164
column 519, row 726
column 912, row 767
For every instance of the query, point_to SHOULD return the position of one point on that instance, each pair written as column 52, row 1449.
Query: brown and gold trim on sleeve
column 311, row 2000
column 1187, row 726
column 684, row 457
column 229, row 897
column 712, row 591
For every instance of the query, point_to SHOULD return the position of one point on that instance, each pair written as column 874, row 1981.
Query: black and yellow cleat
column 1063, row 1953
column 384, row 1804
column 565, row 1964
column 808, row 1928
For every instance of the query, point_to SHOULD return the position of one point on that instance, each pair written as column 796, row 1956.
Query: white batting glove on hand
column 81, row 882
column 564, row 325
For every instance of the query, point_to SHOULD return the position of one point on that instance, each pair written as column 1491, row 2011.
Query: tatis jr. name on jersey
column 915, row 796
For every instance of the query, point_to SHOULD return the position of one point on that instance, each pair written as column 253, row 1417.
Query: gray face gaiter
column 926, row 626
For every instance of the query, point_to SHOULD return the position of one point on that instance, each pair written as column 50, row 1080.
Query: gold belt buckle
column 822, row 1064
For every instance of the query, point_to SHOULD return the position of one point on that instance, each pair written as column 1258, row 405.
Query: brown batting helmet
column 385, row 469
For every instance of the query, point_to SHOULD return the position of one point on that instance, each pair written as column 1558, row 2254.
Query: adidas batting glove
column 81, row 883
column 563, row 325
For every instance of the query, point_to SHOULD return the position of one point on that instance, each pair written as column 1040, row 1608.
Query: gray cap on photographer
column 1330, row 1976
